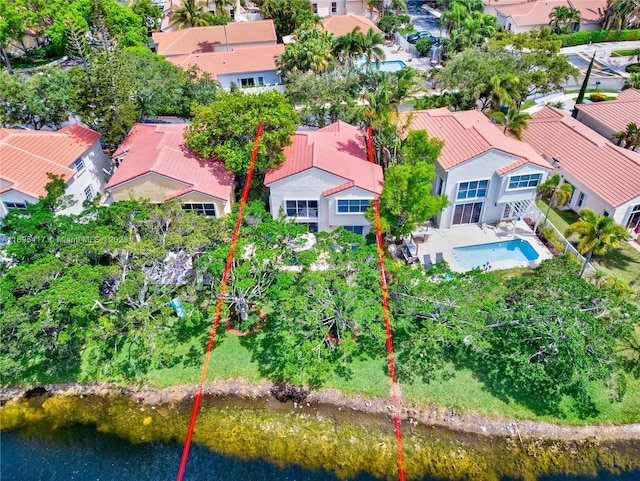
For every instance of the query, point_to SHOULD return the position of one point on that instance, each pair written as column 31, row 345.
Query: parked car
column 414, row 37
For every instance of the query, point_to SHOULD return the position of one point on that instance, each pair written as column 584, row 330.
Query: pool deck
column 444, row 240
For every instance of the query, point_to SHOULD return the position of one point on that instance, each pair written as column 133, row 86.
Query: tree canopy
column 226, row 129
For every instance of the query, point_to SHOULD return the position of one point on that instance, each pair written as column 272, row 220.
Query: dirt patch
column 333, row 400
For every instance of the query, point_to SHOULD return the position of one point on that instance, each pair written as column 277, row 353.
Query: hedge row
column 581, row 38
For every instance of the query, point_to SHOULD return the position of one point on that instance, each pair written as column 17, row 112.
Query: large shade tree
column 226, row 129
column 597, row 235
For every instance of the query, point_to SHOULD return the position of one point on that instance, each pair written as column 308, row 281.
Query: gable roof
column 254, row 59
column 26, row 156
column 536, row 12
column 338, row 149
column 467, row 134
column 160, row 149
column 613, row 173
column 343, row 24
column 204, row 39
column 615, row 114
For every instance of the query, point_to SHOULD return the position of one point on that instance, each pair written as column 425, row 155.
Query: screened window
column 581, row 198
column 302, row 208
column 350, row 206
column 247, row 82
column 334, row 7
column 88, row 193
column 356, row 229
column 16, row 205
column 205, row 209
column 472, row 190
column 524, row 181
column 78, row 165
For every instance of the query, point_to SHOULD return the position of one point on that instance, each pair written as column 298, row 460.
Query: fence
column 406, row 46
column 538, row 217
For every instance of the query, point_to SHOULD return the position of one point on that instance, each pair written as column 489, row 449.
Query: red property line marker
column 395, row 389
column 218, row 313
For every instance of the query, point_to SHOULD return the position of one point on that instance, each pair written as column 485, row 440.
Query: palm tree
column 370, row 45
column 514, row 121
column 503, row 90
column 619, row 14
column 630, row 137
column 562, row 17
column 192, row 13
column 348, row 47
column 398, row 6
column 374, row 5
column 597, row 234
column 556, row 192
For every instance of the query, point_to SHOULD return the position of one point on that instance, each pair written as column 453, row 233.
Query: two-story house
column 156, row 165
column 27, row 156
column 326, row 180
column 486, row 175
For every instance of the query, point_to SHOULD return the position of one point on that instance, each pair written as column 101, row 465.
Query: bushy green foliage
column 596, row 97
column 392, row 23
column 582, row 38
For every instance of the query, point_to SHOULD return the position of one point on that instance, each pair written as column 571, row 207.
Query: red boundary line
column 216, row 317
column 395, row 389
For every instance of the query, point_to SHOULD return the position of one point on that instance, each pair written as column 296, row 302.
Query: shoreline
column 331, row 399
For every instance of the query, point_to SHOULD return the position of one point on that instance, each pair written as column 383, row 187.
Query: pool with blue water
column 470, row 257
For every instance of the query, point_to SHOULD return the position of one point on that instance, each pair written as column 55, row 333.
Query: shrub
column 597, row 97
column 633, row 68
column 423, row 46
column 581, row 38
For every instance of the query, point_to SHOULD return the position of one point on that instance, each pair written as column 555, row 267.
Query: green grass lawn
column 624, row 53
column 527, row 104
column 622, row 262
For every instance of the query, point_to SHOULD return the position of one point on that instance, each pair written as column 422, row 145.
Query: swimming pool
column 386, row 66
column 470, row 257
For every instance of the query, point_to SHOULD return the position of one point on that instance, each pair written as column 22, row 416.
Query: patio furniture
column 439, row 257
column 409, row 259
column 427, row 261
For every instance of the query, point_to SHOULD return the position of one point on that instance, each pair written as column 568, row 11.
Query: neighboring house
column 156, row 165
column 324, row 8
column 486, row 175
column 237, row 12
column 525, row 16
column 605, row 178
column 343, row 24
column 326, row 180
column 220, row 38
column 612, row 116
column 491, row 5
column 244, row 67
column 26, row 156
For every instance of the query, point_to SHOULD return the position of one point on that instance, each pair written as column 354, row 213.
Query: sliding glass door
column 467, row 213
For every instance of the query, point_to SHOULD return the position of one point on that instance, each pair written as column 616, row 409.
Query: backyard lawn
column 622, row 262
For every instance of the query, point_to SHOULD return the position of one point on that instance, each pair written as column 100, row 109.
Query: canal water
column 116, row 438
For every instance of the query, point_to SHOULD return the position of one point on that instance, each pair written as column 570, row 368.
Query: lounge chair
column 427, row 261
column 439, row 257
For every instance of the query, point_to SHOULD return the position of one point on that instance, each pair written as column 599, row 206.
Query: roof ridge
column 38, row 156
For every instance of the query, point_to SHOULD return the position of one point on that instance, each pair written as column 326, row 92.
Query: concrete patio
column 444, row 240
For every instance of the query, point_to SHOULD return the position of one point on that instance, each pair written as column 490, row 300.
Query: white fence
column 406, row 46
column 537, row 216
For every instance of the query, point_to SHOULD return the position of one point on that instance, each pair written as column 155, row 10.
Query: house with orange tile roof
column 244, row 67
column 27, row 156
column 486, row 175
column 219, row 38
column 525, row 16
column 613, row 116
column 343, row 24
column 326, row 180
column 156, row 165
column 605, row 177
column 236, row 11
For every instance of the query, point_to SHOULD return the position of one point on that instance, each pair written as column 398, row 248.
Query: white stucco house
column 253, row 67
column 605, row 177
column 612, row 116
column 486, row 175
column 525, row 16
column 326, row 180
column 27, row 156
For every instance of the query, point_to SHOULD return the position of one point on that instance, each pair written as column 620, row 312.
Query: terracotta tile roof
column 611, row 172
column 500, row 3
column 343, row 24
column 467, row 134
column 615, row 114
column 204, row 39
column 535, row 12
column 511, row 167
column 339, row 149
column 255, row 59
column 340, row 188
column 160, row 148
column 26, row 156
column 589, row 9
